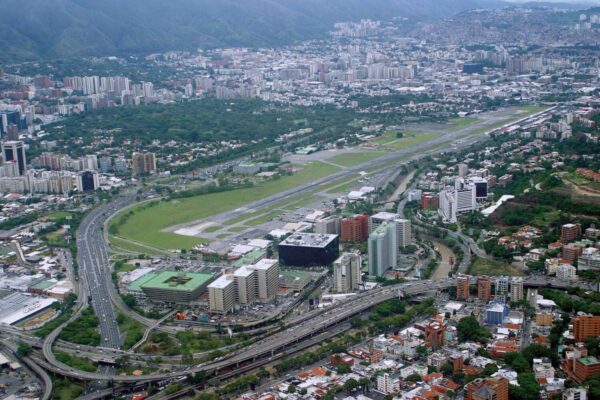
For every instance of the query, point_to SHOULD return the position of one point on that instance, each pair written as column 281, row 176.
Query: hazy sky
column 558, row 1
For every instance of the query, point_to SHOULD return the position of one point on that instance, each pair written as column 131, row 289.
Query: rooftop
column 175, row 280
column 221, row 282
column 589, row 360
column 309, row 240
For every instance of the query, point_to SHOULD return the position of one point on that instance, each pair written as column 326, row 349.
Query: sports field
column 148, row 225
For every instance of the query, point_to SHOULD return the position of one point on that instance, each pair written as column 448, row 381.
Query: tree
column 422, row 351
column 351, row 385
column 343, row 368
column 517, row 361
column 23, row 350
column 469, row 329
column 447, row 369
column 413, row 378
column 291, row 389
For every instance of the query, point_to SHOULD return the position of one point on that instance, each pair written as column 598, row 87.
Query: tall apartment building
column 245, row 285
column 457, row 200
column 328, row 226
column 487, row 389
column 267, row 278
column 501, row 287
column 354, row 229
column 579, row 393
column 403, row 227
column 586, row 326
column 484, row 288
column 14, row 151
column 462, row 287
column 570, row 233
column 221, row 294
column 383, row 249
column 248, row 284
column 404, row 235
column 347, row 272
column 516, row 288
column 143, row 163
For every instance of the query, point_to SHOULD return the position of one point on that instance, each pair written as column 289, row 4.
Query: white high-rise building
column 328, row 226
column 91, row 85
column 347, row 275
column 501, row 288
column 383, row 249
column 516, row 288
column 267, row 278
column 245, row 285
column 404, row 234
column 221, row 294
column 575, row 394
column 461, row 198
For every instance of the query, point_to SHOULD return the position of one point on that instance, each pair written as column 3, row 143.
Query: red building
column 354, row 229
column 570, row 232
column 586, row 326
column 487, row 389
column 462, row 287
column 484, row 288
column 571, row 253
column 434, row 335
column 430, row 201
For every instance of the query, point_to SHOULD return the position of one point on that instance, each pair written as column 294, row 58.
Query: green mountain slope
column 63, row 28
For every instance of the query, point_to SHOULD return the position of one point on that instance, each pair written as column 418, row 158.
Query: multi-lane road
column 95, row 282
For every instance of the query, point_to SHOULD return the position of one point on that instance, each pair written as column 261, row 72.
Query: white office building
column 221, row 294
column 347, row 273
column 383, row 249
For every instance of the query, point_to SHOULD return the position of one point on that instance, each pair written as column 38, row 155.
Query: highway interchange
column 95, row 283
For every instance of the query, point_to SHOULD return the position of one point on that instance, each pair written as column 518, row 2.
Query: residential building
column 462, row 287
column 579, row 393
column 484, row 288
column 516, row 288
column 487, row 389
column 347, row 274
column 14, row 151
column 566, row 272
column 328, row 226
column 570, row 233
column 354, row 229
column 267, row 278
column 221, row 294
column 245, row 285
column 383, row 250
column 143, row 163
column 404, row 235
column 501, row 288
column 388, row 383
column 586, row 326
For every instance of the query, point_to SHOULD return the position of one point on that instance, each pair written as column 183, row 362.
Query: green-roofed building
column 175, row 286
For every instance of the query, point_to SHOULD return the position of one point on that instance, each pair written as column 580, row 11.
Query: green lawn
column 462, row 122
column 124, row 267
column 354, row 159
column 343, row 187
column 56, row 215
column 125, row 245
column 76, row 362
column 493, row 268
column 133, row 330
column 213, row 228
column 409, row 141
column 304, row 202
column 146, row 225
column 237, row 229
column 65, row 389
column 264, row 218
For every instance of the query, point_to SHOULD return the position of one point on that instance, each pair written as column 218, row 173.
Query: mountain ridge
column 41, row 29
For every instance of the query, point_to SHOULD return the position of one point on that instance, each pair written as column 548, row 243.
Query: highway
column 272, row 347
column 95, row 282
